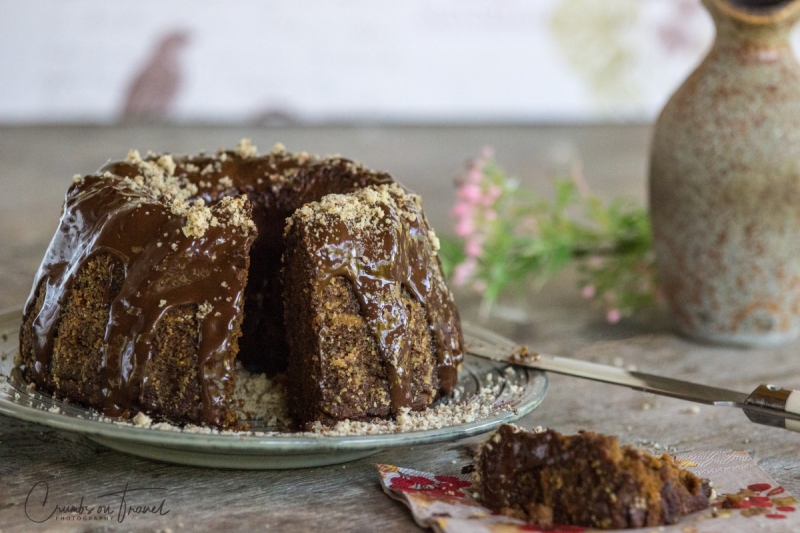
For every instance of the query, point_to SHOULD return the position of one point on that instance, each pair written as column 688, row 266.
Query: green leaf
column 532, row 239
column 451, row 252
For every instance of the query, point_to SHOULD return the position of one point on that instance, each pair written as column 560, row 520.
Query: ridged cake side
column 141, row 267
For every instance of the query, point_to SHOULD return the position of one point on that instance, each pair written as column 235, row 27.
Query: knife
column 767, row 404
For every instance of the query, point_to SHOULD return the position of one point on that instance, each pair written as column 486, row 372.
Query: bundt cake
column 586, row 480
column 164, row 271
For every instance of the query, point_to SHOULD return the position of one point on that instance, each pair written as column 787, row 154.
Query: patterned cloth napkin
column 444, row 502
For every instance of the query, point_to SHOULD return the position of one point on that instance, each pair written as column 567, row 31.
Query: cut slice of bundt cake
column 165, row 270
column 587, row 480
column 374, row 328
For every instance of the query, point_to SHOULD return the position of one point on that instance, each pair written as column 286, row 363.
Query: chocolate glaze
column 394, row 251
column 163, row 269
column 511, row 477
column 103, row 215
column 512, row 451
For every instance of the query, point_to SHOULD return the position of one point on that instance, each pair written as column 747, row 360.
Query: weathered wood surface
column 35, row 167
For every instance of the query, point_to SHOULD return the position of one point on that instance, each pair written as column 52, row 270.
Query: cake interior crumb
column 261, row 399
column 141, row 419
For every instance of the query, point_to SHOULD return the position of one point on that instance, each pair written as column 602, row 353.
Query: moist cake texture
column 587, row 480
column 360, row 263
column 165, row 271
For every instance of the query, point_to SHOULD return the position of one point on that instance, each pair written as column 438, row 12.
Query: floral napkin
column 445, row 503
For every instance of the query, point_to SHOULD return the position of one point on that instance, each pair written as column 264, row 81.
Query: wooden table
column 36, row 164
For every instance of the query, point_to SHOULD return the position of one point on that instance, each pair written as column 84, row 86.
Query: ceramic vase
column 725, row 182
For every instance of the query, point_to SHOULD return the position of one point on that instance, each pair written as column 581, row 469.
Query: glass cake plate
column 514, row 395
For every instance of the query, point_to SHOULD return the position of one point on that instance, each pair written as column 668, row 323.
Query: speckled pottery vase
column 725, row 182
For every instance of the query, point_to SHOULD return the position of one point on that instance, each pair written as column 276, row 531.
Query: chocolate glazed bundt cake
column 164, row 271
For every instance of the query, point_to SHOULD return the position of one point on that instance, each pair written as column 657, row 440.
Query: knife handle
column 771, row 405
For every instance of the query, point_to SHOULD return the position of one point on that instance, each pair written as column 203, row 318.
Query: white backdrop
column 345, row 60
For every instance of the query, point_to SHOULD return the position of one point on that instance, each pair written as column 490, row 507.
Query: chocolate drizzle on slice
column 164, row 268
column 379, row 239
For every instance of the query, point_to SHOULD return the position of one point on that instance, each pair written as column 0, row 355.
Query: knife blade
column 767, row 404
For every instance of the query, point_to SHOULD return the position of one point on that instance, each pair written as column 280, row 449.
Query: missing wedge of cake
column 587, row 479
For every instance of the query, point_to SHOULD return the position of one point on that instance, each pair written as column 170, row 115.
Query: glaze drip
column 102, row 215
column 378, row 239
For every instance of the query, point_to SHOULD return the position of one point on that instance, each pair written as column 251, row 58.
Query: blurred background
column 416, row 88
column 349, row 61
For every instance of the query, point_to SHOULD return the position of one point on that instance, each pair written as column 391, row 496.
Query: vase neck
column 753, row 23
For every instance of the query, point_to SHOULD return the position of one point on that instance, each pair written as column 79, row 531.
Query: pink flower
column 465, row 227
column 461, row 210
column 588, row 292
column 613, row 316
column 463, row 272
column 470, row 193
column 479, row 285
column 490, row 215
column 475, row 175
column 473, row 248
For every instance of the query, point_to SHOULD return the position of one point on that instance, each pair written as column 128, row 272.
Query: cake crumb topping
column 158, row 181
column 157, row 178
column 435, row 244
column 133, row 157
column 203, row 310
column 167, row 163
column 259, row 398
column 246, row 149
column 198, row 216
column 361, row 210
column 141, row 419
column 235, row 207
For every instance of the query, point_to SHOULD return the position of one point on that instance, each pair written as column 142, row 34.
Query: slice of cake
column 587, row 480
column 374, row 328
